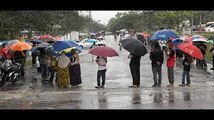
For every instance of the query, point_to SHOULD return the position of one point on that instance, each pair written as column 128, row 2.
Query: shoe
column 211, row 68
column 102, row 87
column 154, row 85
column 97, row 87
column 187, row 84
column 159, row 85
column 182, row 85
column 133, row 86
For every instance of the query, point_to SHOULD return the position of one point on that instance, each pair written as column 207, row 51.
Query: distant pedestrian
column 92, row 46
column 75, row 71
column 157, row 57
column 43, row 60
column 135, row 69
column 212, row 50
column 186, row 69
column 101, row 62
column 203, row 49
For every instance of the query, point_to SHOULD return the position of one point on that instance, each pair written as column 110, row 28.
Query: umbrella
column 134, row 46
column 199, row 40
column 163, row 35
column 51, row 41
column 177, row 41
column 197, row 36
column 91, row 40
column 11, row 42
column 68, row 51
column 104, row 51
column 20, row 46
column 145, row 34
column 43, row 45
column 37, row 41
column 190, row 49
column 61, row 45
column 211, row 39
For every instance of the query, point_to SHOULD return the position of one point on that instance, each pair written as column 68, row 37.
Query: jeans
column 101, row 73
column 185, row 74
column 156, row 69
column 170, row 71
column 44, row 70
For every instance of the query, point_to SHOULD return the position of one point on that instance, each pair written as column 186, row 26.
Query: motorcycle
column 10, row 72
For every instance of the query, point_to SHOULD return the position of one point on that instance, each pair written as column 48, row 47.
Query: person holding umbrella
column 187, row 65
column 101, row 62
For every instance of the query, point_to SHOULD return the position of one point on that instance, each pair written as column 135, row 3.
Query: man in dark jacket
column 20, row 57
column 157, row 57
column 135, row 69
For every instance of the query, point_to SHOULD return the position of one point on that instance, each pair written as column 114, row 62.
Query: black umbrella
column 134, row 46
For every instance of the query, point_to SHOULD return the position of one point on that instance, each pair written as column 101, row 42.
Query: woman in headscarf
column 75, row 72
column 62, row 69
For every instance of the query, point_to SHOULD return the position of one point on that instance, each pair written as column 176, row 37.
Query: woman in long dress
column 62, row 69
column 75, row 71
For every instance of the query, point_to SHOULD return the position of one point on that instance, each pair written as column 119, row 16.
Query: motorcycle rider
column 20, row 57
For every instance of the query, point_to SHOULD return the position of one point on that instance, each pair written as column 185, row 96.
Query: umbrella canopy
column 145, row 34
column 134, row 46
column 163, row 35
column 11, row 42
column 211, row 39
column 20, row 46
column 61, row 45
column 43, row 45
column 199, row 40
column 177, row 41
column 68, row 51
column 190, row 49
column 90, row 40
column 197, row 36
column 37, row 41
column 104, row 51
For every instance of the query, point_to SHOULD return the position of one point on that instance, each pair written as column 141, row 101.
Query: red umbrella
column 103, row 51
column 190, row 49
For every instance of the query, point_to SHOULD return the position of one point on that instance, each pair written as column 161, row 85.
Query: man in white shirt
column 101, row 61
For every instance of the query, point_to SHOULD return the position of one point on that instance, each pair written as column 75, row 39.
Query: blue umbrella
column 61, row 45
column 177, row 41
column 91, row 40
column 163, row 35
column 37, row 41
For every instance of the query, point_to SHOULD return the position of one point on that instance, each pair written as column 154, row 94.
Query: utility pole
column 192, row 24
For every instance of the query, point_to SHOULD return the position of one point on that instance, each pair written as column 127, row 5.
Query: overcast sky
column 104, row 16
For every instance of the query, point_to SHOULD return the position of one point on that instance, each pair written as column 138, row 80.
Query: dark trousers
column 185, row 74
column 135, row 72
column 22, row 62
column 53, row 71
column 33, row 60
column 156, row 70
column 101, row 73
column 170, row 71
column 44, row 70
column 213, row 61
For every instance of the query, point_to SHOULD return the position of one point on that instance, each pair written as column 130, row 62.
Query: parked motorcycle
column 10, row 72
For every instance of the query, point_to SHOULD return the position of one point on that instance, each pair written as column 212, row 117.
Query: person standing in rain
column 212, row 50
column 43, row 60
column 62, row 69
column 187, row 64
column 92, row 46
column 170, row 65
column 135, row 70
column 101, row 62
column 75, row 71
column 157, row 57
column 203, row 49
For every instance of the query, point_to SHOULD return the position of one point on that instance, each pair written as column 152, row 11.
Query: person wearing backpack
column 101, row 62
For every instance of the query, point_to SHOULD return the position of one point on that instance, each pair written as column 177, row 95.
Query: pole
column 192, row 24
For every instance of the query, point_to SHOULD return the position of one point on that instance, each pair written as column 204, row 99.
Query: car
column 85, row 45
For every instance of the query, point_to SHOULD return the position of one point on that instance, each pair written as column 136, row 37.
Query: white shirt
column 103, row 63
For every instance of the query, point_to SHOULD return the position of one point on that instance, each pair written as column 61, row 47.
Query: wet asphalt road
column 32, row 93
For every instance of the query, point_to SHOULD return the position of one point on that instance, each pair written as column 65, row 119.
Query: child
column 101, row 61
column 187, row 64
